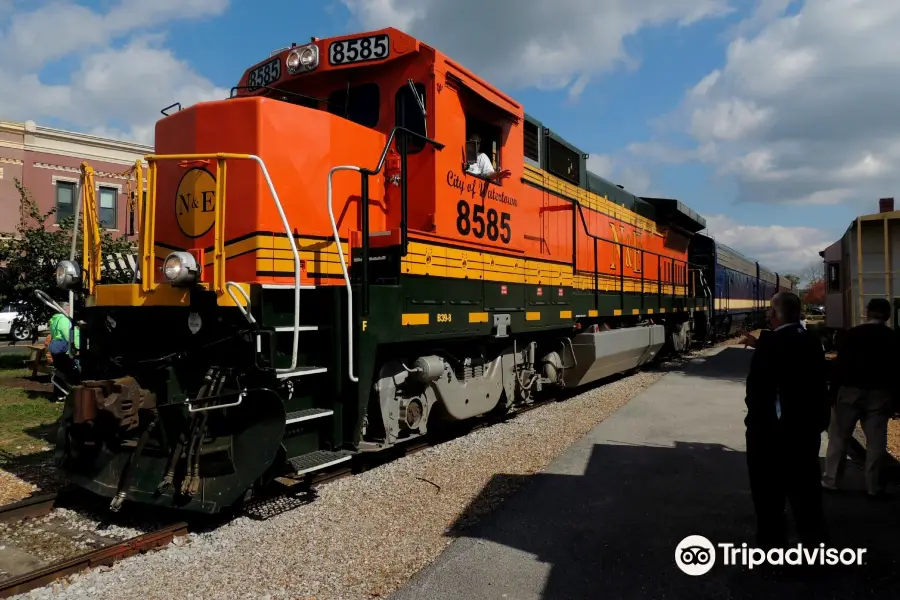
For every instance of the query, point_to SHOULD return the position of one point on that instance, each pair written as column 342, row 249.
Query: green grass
column 27, row 417
column 27, row 421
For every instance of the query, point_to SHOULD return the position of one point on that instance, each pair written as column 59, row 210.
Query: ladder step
column 286, row 286
column 306, row 415
column 301, row 371
column 301, row 328
column 320, row 459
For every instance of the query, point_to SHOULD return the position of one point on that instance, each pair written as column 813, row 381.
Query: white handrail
column 287, row 229
column 50, row 302
column 337, row 240
column 228, row 288
column 191, row 408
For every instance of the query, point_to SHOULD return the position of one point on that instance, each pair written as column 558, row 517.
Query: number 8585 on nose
column 471, row 219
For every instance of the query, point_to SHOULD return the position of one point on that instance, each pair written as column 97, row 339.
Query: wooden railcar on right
column 855, row 273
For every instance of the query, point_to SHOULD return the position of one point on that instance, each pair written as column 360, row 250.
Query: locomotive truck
column 320, row 275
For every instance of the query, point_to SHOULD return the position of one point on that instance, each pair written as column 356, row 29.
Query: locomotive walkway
column 604, row 519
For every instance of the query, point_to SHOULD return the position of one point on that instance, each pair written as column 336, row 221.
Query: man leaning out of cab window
column 482, row 167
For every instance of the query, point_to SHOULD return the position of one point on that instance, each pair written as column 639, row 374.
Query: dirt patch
column 894, row 438
column 32, row 384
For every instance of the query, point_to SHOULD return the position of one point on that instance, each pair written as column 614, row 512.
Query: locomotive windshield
column 357, row 102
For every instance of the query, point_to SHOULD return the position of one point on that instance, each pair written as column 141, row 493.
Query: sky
column 774, row 119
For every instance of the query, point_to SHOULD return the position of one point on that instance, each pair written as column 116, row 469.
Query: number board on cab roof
column 264, row 75
column 373, row 47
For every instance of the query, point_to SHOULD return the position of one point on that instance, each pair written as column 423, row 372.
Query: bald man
column 787, row 411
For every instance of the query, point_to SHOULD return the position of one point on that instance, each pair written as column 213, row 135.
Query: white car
column 11, row 326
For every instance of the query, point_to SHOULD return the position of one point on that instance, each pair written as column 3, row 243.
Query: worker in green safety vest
column 61, row 335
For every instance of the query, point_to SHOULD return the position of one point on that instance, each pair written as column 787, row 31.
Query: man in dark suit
column 787, row 411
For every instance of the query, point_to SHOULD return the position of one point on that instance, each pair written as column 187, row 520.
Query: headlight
column 304, row 58
column 67, row 274
column 181, row 268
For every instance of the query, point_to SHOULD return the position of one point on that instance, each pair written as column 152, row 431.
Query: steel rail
column 89, row 560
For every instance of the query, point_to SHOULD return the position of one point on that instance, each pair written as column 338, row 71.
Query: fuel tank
column 604, row 353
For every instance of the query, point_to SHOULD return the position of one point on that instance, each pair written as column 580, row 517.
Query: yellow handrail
column 90, row 233
column 91, row 250
column 147, row 230
column 219, row 242
column 148, row 222
column 135, row 192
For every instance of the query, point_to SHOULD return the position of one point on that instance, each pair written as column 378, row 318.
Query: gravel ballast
column 365, row 535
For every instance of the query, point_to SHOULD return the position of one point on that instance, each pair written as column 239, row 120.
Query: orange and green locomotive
column 365, row 242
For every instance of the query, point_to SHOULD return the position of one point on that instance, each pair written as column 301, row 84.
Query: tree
column 813, row 273
column 30, row 258
column 795, row 279
column 815, row 294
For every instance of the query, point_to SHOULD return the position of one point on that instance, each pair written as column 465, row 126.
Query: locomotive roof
column 678, row 213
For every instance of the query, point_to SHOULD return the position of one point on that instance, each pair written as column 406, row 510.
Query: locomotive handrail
column 621, row 259
column 708, row 293
column 50, row 302
column 241, row 395
column 364, row 206
column 147, row 238
column 229, row 287
column 78, row 190
column 623, row 244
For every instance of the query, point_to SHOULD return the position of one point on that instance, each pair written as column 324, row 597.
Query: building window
column 65, row 200
column 834, row 277
column 108, row 200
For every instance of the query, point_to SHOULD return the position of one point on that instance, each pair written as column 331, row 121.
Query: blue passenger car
column 739, row 289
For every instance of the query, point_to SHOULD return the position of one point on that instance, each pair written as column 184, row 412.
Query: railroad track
column 24, row 571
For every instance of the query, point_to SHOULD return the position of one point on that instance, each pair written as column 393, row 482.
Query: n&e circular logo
column 695, row 555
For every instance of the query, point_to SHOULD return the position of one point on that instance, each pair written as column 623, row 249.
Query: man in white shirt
column 482, row 166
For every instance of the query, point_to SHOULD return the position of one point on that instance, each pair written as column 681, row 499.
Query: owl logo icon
column 695, row 555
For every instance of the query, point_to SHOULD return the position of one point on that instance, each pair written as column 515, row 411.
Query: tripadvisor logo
column 696, row 555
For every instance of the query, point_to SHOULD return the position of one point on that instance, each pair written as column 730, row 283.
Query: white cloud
column 123, row 73
column 660, row 152
column 777, row 247
column 804, row 108
column 533, row 43
column 633, row 178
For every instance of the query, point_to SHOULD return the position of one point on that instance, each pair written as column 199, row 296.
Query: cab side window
column 409, row 114
column 483, row 137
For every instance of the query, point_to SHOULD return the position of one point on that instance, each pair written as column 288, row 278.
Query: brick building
column 48, row 162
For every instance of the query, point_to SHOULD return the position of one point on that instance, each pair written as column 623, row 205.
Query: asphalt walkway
column 605, row 518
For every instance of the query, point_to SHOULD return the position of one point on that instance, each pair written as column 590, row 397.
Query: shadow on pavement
column 610, row 528
column 612, row 532
column 729, row 364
